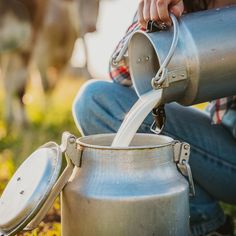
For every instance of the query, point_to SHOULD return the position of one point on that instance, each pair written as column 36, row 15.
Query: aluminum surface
column 203, row 66
column 132, row 191
column 29, row 188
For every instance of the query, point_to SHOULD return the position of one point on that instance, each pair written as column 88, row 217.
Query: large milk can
column 194, row 61
column 106, row 191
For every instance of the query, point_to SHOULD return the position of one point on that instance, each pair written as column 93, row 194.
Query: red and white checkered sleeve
column 219, row 107
column 120, row 73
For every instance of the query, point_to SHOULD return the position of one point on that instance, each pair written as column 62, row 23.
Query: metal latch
column 173, row 76
column 159, row 116
column 181, row 158
column 69, row 146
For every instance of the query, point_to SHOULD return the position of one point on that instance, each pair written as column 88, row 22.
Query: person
column 101, row 106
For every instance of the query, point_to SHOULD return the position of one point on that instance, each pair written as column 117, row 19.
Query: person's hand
column 158, row 10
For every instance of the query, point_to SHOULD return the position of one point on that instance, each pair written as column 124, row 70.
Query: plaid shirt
column 120, row 74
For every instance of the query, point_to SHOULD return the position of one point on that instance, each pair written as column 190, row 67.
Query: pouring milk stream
column 148, row 100
column 135, row 117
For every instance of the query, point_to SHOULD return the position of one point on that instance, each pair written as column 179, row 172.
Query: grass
column 49, row 117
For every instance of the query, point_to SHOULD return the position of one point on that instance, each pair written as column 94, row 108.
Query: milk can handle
column 160, row 77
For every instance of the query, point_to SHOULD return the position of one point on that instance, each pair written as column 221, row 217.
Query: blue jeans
column 100, row 107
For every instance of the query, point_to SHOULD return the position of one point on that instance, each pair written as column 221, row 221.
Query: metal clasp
column 153, row 26
column 69, row 147
column 181, row 158
column 159, row 116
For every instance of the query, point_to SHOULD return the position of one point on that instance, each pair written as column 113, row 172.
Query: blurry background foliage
column 49, row 118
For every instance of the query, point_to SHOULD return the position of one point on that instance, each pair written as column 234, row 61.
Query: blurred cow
column 43, row 31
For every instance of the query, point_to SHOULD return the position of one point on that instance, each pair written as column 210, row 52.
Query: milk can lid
column 29, row 188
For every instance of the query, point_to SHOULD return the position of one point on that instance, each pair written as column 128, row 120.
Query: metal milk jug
column 193, row 62
column 126, row 191
column 138, row 190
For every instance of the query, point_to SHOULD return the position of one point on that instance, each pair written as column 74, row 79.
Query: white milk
column 135, row 117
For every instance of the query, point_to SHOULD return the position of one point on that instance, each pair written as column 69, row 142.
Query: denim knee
column 84, row 102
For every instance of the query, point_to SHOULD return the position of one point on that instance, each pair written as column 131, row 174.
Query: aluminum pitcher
column 139, row 190
column 194, row 61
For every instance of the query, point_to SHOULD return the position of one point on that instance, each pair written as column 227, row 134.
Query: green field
column 49, row 117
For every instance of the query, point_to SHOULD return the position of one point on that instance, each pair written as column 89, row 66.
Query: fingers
column 153, row 11
column 146, row 10
column 163, row 12
column 140, row 13
column 163, row 8
column 158, row 10
column 177, row 9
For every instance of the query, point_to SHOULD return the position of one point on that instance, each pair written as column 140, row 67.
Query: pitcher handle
column 160, row 76
column 152, row 26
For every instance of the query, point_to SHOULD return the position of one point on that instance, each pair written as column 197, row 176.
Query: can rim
column 167, row 141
